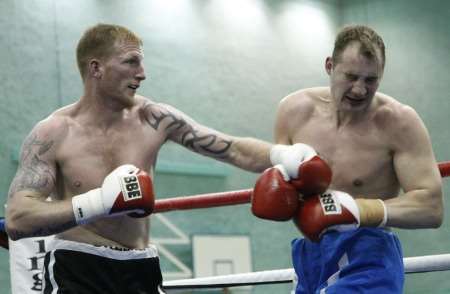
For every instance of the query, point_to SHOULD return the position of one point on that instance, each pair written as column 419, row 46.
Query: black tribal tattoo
column 33, row 173
column 50, row 230
column 202, row 143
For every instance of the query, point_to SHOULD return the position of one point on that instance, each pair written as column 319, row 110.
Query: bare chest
column 87, row 156
column 360, row 158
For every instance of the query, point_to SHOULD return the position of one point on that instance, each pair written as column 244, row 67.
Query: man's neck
column 346, row 118
column 99, row 112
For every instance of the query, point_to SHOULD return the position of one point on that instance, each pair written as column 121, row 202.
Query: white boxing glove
column 291, row 156
column 126, row 190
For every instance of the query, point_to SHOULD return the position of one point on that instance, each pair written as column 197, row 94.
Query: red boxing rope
column 203, row 200
column 444, row 168
column 230, row 198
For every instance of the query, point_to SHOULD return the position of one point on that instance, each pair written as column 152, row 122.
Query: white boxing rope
column 225, row 281
column 427, row 263
column 418, row 264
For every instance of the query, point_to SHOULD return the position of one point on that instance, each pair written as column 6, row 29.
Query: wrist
column 291, row 156
column 373, row 212
column 385, row 214
column 87, row 206
column 276, row 153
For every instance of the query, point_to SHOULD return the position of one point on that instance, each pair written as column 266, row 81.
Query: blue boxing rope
column 3, row 235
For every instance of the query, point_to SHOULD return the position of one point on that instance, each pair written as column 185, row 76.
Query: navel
column 77, row 184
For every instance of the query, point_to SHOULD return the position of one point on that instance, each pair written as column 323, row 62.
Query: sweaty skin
column 348, row 149
column 76, row 147
column 375, row 145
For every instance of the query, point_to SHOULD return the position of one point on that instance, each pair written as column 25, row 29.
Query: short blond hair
column 369, row 40
column 99, row 41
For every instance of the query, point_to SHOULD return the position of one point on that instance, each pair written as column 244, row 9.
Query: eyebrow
column 129, row 56
column 355, row 74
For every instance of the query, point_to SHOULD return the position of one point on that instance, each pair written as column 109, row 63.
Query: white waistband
column 105, row 251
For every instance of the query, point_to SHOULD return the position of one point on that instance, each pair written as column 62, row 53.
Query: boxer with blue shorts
column 377, row 148
column 367, row 260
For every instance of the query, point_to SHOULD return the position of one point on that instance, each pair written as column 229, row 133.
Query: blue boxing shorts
column 366, row 260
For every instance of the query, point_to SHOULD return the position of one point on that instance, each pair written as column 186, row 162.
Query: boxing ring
column 417, row 264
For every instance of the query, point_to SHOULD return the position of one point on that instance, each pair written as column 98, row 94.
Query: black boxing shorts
column 79, row 268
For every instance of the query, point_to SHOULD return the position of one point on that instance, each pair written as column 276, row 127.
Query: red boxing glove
column 273, row 197
column 336, row 210
column 314, row 177
column 141, row 199
column 126, row 190
column 309, row 173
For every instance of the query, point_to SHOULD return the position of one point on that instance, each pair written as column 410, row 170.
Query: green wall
column 226, row 64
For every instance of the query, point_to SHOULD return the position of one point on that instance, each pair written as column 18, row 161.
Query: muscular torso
column 359, row 153
column 86, row 154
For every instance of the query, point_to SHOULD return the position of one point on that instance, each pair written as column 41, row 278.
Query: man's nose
column 359, row 88
column 140, row 74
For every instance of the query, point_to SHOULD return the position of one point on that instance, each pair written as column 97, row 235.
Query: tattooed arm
column 27, row 212
column 247, row 153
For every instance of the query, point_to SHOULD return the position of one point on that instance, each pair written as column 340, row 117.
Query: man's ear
column 329, row 64
column 94, row 68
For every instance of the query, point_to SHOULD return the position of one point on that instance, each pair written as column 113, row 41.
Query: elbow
column 12, row 229
column 13, row 225
column 436, row 222
column 437, row 218
column 12, row 232
column 431, row 204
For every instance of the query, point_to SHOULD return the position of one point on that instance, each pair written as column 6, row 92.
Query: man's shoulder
column 54, row 121
column 304, row 102
column 394, row 114
column 149, row 105
column 54, row 124
column 392, row 108
column 400, row 123
column 308, row 95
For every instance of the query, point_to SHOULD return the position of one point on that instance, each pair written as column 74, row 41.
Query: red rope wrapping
column 230, row 198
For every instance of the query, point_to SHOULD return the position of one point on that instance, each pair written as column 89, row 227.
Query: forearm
column 250, row 154
column 415, row 209
column 28, row 216
column 337, row 210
